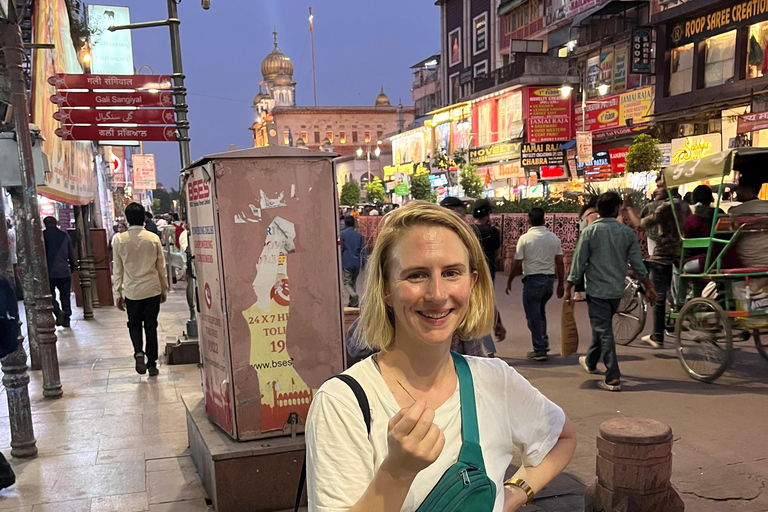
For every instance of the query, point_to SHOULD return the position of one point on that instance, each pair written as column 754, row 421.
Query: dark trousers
column 142, row 314
column 350, row 284
column 537, row 290
column 17, row 282
column 64, row 285
column 603, row 346
column 661, row 277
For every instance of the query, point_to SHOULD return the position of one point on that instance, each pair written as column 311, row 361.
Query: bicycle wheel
column 629, row 320
column 704, row 339
column 762, row 348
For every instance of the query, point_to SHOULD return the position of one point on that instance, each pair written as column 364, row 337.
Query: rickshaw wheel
column 629, row 320
column 704, row 339
column 763, row 349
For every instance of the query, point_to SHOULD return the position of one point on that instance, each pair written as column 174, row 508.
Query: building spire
column 274, row 32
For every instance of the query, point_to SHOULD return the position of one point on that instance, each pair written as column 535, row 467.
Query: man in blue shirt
column 602, row 253
column 352, row 259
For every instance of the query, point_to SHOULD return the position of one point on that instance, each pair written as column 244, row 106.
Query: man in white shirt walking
column 539, row 258
column 140, row 285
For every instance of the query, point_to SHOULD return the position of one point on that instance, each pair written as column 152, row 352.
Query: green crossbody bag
column 464, row 487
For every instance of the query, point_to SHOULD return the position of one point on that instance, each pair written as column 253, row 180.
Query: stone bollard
column 634, row 467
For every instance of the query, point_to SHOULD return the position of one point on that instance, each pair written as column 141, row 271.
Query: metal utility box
column 264, row 235
column 10, row 172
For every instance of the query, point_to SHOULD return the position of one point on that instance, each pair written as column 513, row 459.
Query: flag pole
column 312, row 38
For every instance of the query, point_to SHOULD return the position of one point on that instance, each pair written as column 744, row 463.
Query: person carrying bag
column 439, row 430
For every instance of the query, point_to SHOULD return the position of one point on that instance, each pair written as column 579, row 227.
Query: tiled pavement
column 116, row 441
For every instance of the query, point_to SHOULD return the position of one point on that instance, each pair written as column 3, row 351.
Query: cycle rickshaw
column 703, row 325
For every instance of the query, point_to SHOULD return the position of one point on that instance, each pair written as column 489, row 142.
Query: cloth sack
column 569, row 331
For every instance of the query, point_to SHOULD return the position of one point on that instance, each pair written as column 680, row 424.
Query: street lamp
column 376, row 152
column 567, row 89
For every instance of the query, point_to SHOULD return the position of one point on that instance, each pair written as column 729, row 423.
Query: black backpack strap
column 365, row 408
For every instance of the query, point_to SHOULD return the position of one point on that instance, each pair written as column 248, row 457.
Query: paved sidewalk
column 116, row 441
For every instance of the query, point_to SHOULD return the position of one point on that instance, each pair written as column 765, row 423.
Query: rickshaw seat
column 745, row 270
column 728, row 224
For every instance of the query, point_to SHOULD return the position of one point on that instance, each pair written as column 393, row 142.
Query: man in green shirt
column 602, row 253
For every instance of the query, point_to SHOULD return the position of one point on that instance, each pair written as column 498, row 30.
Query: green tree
column 470, row 181
column 375, row 192
column 166, row 205
column 155, row 206
column 421, row 188
column 350, row 193
column 644, row 154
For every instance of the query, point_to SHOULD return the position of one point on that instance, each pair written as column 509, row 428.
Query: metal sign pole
column 32, row 251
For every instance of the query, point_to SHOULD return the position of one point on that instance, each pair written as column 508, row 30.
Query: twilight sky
column 359, row 45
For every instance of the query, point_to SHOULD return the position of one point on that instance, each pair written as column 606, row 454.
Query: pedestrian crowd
column 607, row 252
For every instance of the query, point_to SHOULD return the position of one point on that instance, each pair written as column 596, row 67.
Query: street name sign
column 113, row 99
column 82, row 81
column 94, row 116
column 142, row 133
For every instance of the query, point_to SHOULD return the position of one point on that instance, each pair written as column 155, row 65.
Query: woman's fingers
column 410, row 418
column 422, row 425
column 436, row 448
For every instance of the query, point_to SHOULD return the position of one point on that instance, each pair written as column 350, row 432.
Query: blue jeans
column 537, row 290
column 488, row 344
column 601, row 313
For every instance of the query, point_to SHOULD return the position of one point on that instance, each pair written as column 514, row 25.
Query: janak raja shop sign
column 718, row 20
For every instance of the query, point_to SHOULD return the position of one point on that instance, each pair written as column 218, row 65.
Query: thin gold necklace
column 399, row 382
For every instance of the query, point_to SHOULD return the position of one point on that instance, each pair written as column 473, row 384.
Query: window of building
column 378, row 135
column 681, row 76
column 317, row 137
column 342, row 137
column 367, row 136
column 329, row 135
column 481, row 68
column 287, row 138
column 757, row 63
column 720, row 58
column 354, row 137
column 304, row 136
column 480, row 40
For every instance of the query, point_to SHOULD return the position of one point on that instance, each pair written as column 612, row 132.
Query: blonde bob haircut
column 377, row 320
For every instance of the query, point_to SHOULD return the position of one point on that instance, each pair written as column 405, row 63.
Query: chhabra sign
column 536, row 156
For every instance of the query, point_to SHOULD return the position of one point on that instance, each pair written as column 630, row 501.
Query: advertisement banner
column 507, row 170
column 536, row 156
column 614, row 111
column 752, row 122
column 492, row 153
column 211, row 321
column 549, row 115
column 71, row 177
column 111, row 52
column 618, row 159
column 695, row 147
column 584, row 147
column 401, row 184
column 593, row 75
column 620, row 70
column 116, row 161
column 144, row 172
column 642, row 42
column 606, row 69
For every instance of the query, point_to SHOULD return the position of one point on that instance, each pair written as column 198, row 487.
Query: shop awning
column 507, row 6
column 713, row 108
column 614, row 7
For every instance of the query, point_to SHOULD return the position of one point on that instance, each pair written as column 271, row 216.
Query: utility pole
column 14, row 367
column 182, row 129
column 31, row 249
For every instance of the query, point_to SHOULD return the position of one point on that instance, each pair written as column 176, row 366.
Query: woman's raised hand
column 414, row 441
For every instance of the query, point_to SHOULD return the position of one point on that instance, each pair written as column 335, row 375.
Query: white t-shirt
column 538, row 248
column 515, row 421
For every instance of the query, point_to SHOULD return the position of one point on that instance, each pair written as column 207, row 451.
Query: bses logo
column 198, row 190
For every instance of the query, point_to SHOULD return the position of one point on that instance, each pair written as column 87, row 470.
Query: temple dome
column 276, row 63
column 282, row 79
column 382, row 100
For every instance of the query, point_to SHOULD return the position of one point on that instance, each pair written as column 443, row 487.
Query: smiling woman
column 437, row 430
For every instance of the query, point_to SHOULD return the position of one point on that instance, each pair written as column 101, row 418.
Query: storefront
column 452, row 128
column 712, row 68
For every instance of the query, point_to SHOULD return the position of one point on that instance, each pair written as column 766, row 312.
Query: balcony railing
column 531, row 65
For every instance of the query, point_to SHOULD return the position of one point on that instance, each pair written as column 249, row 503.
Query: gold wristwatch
column 519, row 482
